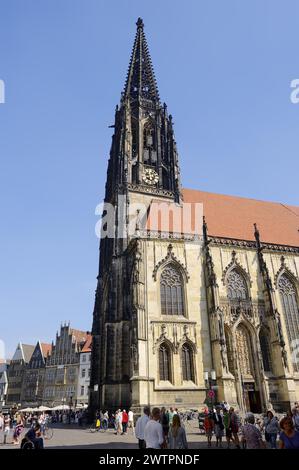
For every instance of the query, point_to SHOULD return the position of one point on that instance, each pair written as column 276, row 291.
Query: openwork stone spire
column 141, row 80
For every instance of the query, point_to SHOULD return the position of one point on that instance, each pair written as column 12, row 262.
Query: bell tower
column 142, row 166
column 143, row 155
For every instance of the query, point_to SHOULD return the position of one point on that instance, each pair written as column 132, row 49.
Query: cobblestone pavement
column 68, row 437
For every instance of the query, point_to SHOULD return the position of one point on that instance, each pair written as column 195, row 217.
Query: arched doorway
column 246, row 367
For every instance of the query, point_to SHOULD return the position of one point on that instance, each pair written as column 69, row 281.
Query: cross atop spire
column 141, row 80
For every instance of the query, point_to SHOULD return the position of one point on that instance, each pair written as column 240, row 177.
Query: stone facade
column 3, row 382
column 84, row 374
column 62, row 368
column 16, row 372
column 34, row 375
column 172, row 306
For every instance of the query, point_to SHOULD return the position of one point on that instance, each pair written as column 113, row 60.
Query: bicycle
column 102, row 428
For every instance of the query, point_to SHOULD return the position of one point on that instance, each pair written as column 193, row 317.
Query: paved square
column 69, row 437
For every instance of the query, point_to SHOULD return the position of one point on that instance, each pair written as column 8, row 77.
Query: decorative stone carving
column 170, row 257
column 235, row 275
column 284, row 269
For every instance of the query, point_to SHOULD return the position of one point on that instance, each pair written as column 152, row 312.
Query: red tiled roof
column 87, row 344
column 233, row 217
column 46, row 349
column 80, row 336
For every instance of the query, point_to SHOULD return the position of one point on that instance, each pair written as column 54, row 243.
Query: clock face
column 150, row 176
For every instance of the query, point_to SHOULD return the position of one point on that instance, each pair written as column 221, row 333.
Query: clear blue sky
column 223, row 67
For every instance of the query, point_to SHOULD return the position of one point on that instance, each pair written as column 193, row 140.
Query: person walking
column 234, row 424
column 209, row 426
column 177, row 435
column 289, row 437
column 125, row 420
column 227, row 427
column 271, row 427
column 6, row 427
column 153, row 432
column 98, row 421
column 118, row 422
column 218, row 426
column 106, row 420
column 131, row 421
column 18, row 428
column 250, row 434
column 140, row 425
column 170, row 416
column 165, row 422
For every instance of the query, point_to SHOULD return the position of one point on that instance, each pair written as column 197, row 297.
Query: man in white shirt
column 131, row 420
column 153, row 432
column 140, row 425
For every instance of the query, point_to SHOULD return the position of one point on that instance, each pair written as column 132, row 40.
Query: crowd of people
column 161, row 428
column 253, row 433
column 17, row 424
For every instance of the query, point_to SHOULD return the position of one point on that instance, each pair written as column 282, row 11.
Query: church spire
column 141, row 80
column 143, row 155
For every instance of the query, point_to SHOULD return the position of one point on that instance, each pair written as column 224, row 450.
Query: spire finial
column 139, row 23
column 140, row 81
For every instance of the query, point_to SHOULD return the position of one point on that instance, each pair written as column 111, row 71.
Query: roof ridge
column 242, row 197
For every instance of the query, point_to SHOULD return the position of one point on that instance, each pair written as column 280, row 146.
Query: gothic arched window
column 290, row 306
column 172, row 295
column 236, row 286
column 187, row 363
column 265, row 349
column 164, row 363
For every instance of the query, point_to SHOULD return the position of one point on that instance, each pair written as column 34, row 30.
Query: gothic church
column 173, row 310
